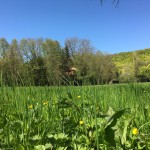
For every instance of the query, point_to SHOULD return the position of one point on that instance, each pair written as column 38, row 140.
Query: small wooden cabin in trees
column 71, row 72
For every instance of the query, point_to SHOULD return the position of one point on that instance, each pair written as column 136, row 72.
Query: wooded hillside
column 133, row 66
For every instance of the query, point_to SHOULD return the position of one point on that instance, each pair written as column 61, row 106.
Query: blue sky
column 110, row 29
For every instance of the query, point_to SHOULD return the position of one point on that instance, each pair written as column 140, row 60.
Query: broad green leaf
column 109, row 130
column 48, row 146
column 113, row 119
column 40, row 147
column 19, row 147
column 124, row 135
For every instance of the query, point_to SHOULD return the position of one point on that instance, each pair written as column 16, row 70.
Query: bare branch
column 117, row 2
column 114, row 1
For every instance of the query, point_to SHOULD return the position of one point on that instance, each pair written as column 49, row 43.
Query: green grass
column 49, row 117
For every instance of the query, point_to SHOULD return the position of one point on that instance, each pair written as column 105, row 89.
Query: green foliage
column 131, row 65
column 144, row 72
column 90, row 117
column 40, row 62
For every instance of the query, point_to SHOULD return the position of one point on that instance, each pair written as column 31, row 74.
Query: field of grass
column 103, row 117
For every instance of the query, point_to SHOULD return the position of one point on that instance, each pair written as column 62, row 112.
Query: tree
column 13, row 64
column 32, row 53
column 109, row 71
column 4, row 46
column 73, row 45
column 82, row 54
column 137, row 64
column 52, row 57
column 144, row 73
column 67, row 62
column 97, row 67
column 39, row 71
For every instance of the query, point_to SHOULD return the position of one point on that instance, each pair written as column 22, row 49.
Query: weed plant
column 75, row 117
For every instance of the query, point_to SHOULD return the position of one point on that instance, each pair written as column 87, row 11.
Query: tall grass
column 50, row 116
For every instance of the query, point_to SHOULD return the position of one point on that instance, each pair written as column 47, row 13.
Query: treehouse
column 71, row 72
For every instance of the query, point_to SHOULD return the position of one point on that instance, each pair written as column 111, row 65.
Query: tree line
column 44, row 62
column 40, row 62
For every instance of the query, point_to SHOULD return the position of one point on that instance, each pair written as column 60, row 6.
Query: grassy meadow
column 102, row 117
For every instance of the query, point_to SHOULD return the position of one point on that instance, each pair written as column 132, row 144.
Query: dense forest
column 40, row 62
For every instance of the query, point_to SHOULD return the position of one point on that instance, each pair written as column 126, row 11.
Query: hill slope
column 133, row 65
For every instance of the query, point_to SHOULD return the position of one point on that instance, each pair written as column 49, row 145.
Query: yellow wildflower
column 81, row 122
column 135, row 131
column 45, row 103
column 30, row 106
column 79, row 97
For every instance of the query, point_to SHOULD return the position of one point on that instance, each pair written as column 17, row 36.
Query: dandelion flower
column 30, row 106
column 79, row 97
column 81, row 122
column 135, row 131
